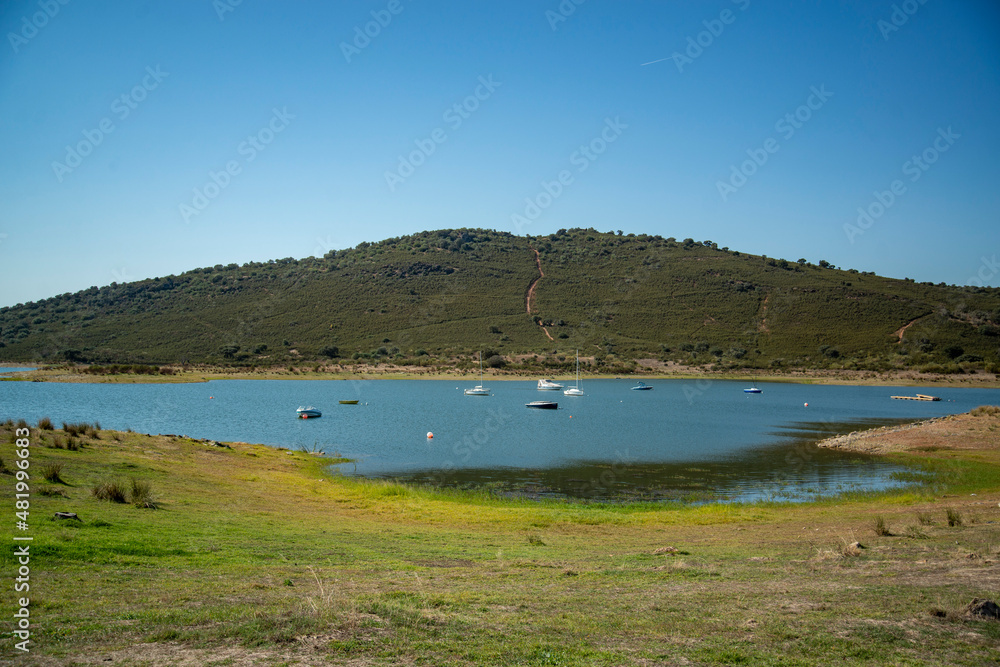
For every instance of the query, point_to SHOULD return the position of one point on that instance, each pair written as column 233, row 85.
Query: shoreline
column 205, row 374
column 978, row 429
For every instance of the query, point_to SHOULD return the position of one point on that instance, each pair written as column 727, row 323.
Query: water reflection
column 794, row 470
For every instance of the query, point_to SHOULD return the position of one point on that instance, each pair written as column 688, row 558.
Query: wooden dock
column 918, row 397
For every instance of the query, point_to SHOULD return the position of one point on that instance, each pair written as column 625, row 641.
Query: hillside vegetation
column 438, row 296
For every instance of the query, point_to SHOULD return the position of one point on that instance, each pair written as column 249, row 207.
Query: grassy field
column 259, row 556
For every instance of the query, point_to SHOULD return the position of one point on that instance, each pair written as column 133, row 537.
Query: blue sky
column 143, row 139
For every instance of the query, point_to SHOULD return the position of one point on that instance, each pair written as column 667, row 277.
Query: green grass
column 259, row 552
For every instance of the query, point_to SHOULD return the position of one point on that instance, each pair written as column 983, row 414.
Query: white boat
column 549, row 385
column 642, row 386
column 575, row 391
column 479, row 389
column 308, row 412
column 753, row 389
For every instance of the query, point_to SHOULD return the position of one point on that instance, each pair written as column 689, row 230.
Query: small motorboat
column 642, row 386
column 354, row 402
column 542, row 405
column 548, row 385
column 308, row 412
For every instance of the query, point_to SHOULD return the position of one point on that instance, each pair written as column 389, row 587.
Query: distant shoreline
column 205, row 374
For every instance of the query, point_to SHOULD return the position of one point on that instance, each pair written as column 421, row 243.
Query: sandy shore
column 975, row 430
column 903, row 378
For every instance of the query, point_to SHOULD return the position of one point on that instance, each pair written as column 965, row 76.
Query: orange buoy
column 807, row 405
column 430, row 436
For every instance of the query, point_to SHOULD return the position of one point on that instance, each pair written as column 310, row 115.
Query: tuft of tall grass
column 954, row 517
column 4, row 470
column 985, row 411
column 925, row 519
column 113, row 490
column 142, row 494
column 881, row 527
column 82, row 429
column 52, row 471
column 45, row 424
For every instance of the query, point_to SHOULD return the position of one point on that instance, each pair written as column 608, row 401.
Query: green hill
column 450, row 293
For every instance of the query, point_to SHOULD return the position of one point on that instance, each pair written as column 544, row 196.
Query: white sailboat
column 479, row 389
column 575, row 391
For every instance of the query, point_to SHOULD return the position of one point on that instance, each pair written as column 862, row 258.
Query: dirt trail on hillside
column 763, row 314
column 902, row 330
column 531, row 290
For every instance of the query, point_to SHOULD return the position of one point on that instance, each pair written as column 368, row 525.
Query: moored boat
column 575, row 391
column 542, row 405
column 354, row 402
column 642, row 386
column 549, row 385
column 308, row 412
column 479, row 389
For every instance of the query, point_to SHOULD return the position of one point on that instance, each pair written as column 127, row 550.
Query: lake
column 685, row 439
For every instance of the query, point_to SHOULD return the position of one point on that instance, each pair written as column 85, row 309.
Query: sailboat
column 479, row 389
column 575, row 391
column 753, row 389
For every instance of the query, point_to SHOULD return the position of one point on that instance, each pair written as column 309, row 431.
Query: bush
column 954, row 517
column 45, row 424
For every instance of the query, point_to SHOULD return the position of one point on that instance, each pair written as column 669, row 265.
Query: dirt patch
column 976, row 430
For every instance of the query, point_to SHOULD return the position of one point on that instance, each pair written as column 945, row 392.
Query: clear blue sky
column 310, row 132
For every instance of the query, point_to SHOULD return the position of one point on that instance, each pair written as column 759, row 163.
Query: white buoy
column 430, row 436
column 807, row 405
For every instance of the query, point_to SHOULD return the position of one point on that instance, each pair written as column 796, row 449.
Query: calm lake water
column 682, row 440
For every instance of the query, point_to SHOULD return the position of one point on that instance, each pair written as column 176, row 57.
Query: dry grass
column 880, row 526
column 51, row 471
column 113, row 490
column 142, row 494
